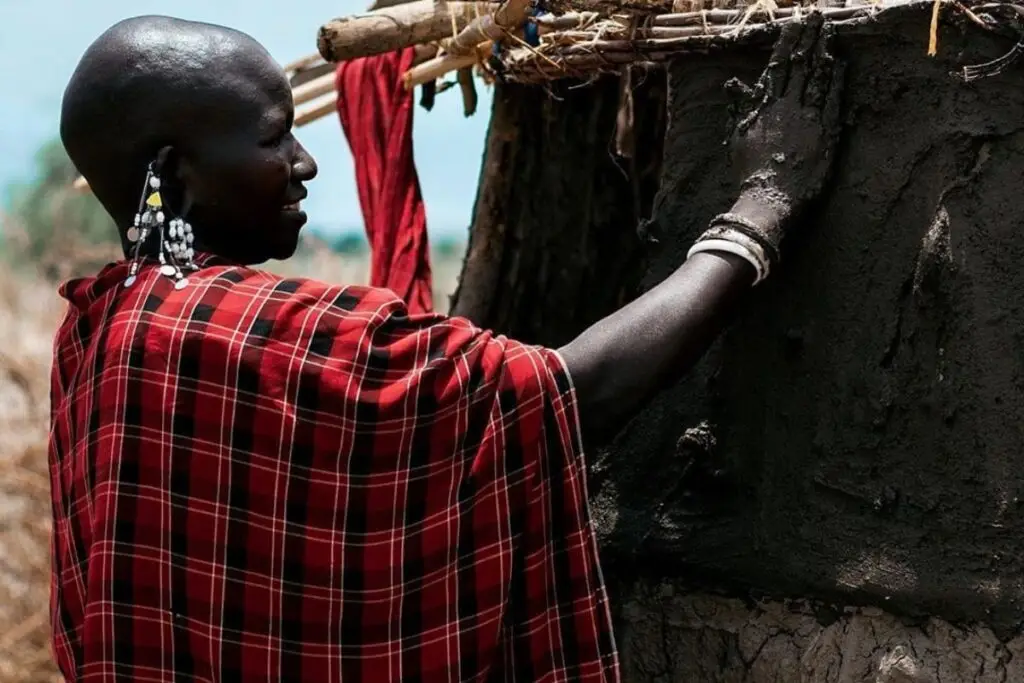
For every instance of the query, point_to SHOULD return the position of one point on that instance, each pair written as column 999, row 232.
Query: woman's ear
column 162, row 163
column 177, row 177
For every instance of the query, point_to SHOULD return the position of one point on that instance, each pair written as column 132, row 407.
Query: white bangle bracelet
column 737, row 244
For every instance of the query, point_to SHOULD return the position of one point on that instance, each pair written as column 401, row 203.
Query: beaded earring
column 174, row 236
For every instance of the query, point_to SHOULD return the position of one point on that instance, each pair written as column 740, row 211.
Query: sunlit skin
column 214, row 111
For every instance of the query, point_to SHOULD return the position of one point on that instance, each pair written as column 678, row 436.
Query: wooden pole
column 316, row 111
column 438, row 66
column 509, row 16
column 302, row 63
column 468, row 87
column 464, row 49
column 311, row 73
column 397, row 27
column 383, row 4
column 455, row 59
column 314, row 89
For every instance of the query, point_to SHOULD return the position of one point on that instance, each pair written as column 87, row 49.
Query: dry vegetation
column 29, row 311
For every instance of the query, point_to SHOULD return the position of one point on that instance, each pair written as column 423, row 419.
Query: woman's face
column 241, row 176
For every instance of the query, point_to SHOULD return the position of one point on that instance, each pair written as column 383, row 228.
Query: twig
column 604, row 45
column 933, row 30
column 302, row 63
column 439, row 66
column 468, row 87
column 307, row 116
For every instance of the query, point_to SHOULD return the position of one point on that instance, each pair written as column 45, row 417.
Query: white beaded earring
column 174, row 236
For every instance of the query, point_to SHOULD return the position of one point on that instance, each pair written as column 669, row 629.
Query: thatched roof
column 513, row 40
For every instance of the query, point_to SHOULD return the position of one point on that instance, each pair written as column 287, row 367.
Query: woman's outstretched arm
column 784, row 149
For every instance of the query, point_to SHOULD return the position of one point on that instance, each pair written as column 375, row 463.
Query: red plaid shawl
column 268, row 479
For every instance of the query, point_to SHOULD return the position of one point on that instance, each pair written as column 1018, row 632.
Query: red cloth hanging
column 376, row 116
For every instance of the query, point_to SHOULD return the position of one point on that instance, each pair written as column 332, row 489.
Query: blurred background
column 50, row 232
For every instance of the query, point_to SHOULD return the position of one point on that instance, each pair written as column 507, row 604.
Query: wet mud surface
column 858, row 435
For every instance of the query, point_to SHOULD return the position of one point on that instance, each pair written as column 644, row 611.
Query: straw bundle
column 607, row 44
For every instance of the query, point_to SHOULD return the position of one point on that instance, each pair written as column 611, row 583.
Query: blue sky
column 42, row 40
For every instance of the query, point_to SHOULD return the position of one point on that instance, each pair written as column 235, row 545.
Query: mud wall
column 857, row 436
column 554, row 244
column 835, row 493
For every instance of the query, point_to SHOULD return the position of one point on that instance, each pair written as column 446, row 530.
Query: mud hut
column 834, row 494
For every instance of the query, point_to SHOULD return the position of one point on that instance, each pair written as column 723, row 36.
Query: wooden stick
column 509, row 16
column 709, row 22
column 728, row 16
column 468, row 87
column 318, row 111
column 397, row 27
column 657, row 44
column 313, row 89
column 382, row 4
column 611, row 56
column 303, row 76
column 455, row 60
column 425, row 52
column 438, row 66
column 625, row 134
column 933, row 30
column 585, row 40
column 302, row 63
column 675, row 26
column 609, row 7
column 551, row 23
column 711, row 16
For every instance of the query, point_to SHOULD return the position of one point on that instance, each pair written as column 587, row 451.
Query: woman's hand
column 783, row 146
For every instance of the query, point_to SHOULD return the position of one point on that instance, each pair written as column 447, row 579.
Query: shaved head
column 212, row 108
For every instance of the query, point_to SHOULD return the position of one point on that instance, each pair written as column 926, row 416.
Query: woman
column 260, row 478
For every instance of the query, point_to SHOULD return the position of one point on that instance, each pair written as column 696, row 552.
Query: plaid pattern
column 268, row 479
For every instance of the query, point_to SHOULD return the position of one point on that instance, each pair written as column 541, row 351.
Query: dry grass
column 30, row 310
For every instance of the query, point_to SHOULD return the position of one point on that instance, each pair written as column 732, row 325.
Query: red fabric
column 376, row 116
column 266, row 479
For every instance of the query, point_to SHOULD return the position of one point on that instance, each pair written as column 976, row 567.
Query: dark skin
column 218, row 124
column 214, row 111
column 623, row 360
column 783, row 151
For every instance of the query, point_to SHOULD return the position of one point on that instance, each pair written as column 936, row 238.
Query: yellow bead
column 155, row 201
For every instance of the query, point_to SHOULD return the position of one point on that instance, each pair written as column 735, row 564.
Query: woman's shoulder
column 255, row 283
